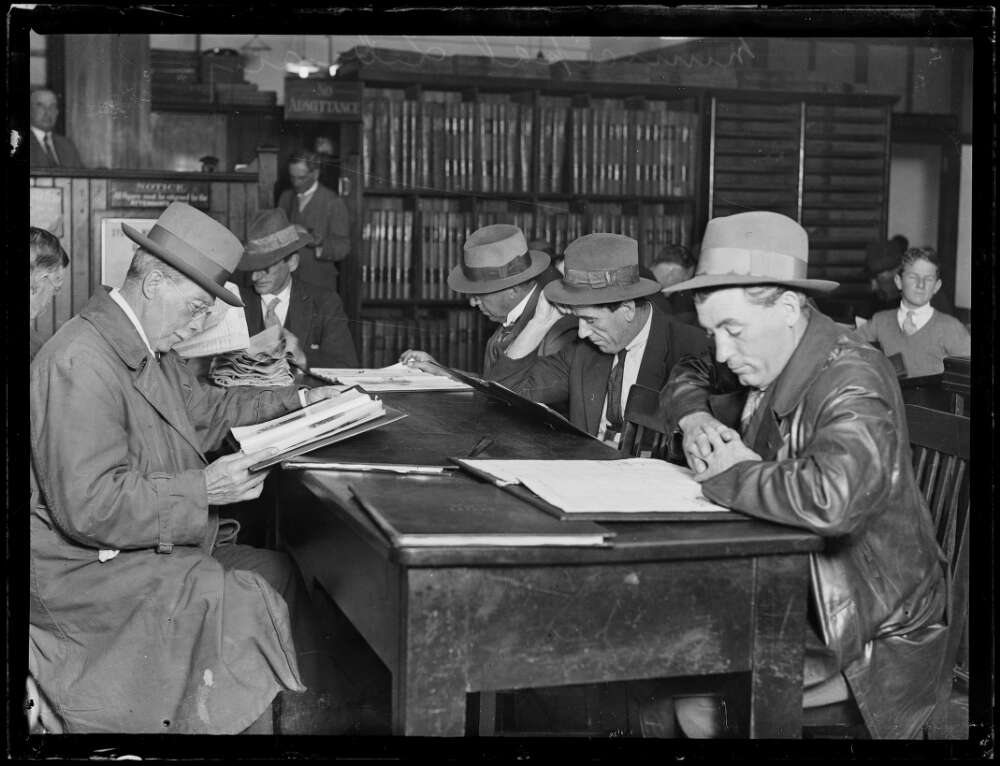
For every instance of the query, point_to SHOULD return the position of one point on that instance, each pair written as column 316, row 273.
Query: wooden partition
column 86, row 199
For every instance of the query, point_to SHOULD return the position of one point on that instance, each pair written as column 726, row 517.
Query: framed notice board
column 116, row 249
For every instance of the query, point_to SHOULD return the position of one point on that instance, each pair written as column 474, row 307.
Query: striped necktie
column 909, row 324
column 750, row 408
column 271, row 318
column 50, row 149
column 615, row 381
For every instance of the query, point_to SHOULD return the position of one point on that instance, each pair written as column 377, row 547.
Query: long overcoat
column 133, row 625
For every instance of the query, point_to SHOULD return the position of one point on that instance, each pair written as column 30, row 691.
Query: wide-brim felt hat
column 270, row 238
column 195, row 244
column 753, row 248
column 600, row 268
column 494, row 258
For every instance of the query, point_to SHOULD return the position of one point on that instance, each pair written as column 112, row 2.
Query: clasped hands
column 711, row 447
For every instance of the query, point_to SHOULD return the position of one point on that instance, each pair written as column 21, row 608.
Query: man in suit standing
column 323, row 214
column 629, row 340
column 314, row 322
column 48, row 149
column 503, row 279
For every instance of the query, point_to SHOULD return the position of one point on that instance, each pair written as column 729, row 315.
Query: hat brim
column 458, row 282
column 261, row 261
column 706, row 281
column 572, row 295
column 196, row 276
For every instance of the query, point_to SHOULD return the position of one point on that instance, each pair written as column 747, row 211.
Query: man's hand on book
column 419, row 359
column 727, row 449
column 320, row 393
column 228, row 481
column 697, row 445
column 293, row 350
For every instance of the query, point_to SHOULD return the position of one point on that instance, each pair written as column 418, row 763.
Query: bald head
column 43, row 109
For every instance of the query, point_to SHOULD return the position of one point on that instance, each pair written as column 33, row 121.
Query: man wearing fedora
column 145, row 615
column 503, row 279
column 314, row 322
column 627, row 339
column 796, row 421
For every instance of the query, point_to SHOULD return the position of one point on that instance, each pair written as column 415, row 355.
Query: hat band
column 287, row 236
column 765, row 264
column 512, row 268
column 625, row 275
column 178, row 247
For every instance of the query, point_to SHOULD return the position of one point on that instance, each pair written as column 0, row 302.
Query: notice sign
column 158, row 193
column 322, row 100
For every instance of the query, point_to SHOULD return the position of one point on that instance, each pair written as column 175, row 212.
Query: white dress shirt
column 515, row 313
column 307, row 195
column 117, row 298
column 283, row 296
column 633, row 361
column 921, row 316
column 40, row 135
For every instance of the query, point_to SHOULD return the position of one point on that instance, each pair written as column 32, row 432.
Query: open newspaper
column 314, row 426
column 396, row 377
column 225, row 330
column 607, row 490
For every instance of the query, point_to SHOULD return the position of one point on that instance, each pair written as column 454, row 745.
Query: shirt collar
column 39, row 134
column 642, row 336
column 309, row 192
column 921, row 314
column 117, row 298
column 515, row 313
column 282, row 295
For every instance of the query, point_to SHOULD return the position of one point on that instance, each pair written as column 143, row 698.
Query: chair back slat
column 644, row 429
column 940, row 443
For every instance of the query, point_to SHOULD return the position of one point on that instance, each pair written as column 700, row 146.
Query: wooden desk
column 666, row 599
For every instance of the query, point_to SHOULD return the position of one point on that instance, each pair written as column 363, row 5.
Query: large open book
column 540, row 412
column 455, row 511
column 639, row 489
column 396, row 377
column 322, row 423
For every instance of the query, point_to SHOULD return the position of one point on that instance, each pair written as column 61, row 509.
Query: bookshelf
column 446, row 149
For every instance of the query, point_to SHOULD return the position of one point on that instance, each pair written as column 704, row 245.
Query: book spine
column 406, row 274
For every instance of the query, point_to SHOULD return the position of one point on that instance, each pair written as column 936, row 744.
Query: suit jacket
column 316, row 317
column 118, row 445
column 836, row 461
column 328, row 221
column 559, row 335
column 69, row 157
column 579, row 372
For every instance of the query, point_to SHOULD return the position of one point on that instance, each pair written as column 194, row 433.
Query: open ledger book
column 396, row 377
column 639, row 489
column 322, row 423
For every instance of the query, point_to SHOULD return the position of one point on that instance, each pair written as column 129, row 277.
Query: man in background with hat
column 628, row 339
column 315, row 325
column 145, row 616
column 796, row 421
column 503, row 279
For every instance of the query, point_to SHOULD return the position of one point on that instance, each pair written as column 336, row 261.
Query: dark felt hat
column 270, row 238
column 600, row 268
column 195, row 244
column 494, row 258
column 759, row 247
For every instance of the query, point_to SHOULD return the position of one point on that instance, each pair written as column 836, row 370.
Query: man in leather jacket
column 796, row 421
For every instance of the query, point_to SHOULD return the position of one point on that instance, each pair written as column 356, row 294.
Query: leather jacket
column 836, row 461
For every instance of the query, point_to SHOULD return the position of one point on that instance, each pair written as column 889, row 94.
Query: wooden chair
column 940, row 445
column 644, row 432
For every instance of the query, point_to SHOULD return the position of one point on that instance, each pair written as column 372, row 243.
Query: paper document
column 225, row 330
column 396, row 377
column 632, row 485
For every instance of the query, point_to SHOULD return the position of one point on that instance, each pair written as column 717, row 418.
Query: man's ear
column 293, row 261
column 792, row 306
column 628, row 307
column 152, row 283
column 898, row 281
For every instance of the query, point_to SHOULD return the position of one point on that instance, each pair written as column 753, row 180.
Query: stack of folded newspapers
column 264, row 363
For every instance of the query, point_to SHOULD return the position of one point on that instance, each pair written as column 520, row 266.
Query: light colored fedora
column 494, row 258
column 270, row 238
column 600, row 268
column 753, row 248
column 195, row 244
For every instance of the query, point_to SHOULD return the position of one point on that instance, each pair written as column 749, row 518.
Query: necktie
column 270, row 318
column 497, row 344
column 50, row 149
column 615, row 380
column 753, row 402
column 909, row 325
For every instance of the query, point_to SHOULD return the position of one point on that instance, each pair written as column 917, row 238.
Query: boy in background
column 920, row 334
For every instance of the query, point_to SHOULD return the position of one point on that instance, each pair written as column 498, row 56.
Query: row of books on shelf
column 456, row 339
column 391, row 268
column 495, row 144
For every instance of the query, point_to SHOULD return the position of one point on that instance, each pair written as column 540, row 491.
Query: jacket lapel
column 151, row 382
column 299, row 317
column 594, row 387
column 653, row 368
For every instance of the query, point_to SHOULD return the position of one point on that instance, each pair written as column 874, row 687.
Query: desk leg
column 427, row 705
column 780, row 591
